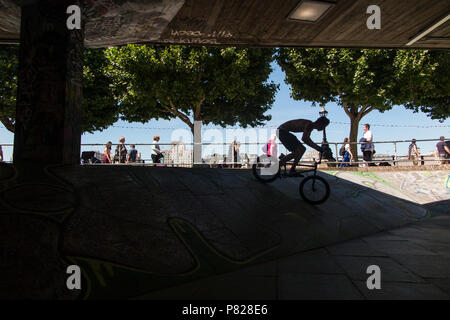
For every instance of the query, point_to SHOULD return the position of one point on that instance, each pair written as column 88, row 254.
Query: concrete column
column 49, row 98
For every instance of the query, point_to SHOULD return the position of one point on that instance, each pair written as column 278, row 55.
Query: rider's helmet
column 322, row 122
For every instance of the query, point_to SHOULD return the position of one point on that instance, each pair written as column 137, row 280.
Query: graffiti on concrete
column 136, row 230
column 197, row 37
column 116, row 22
column 418, row 186
column 425, row 186
column 108, row 22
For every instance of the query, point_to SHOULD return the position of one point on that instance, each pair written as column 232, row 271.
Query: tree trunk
column 196, row 128
column 197, row 132
column 354, row 125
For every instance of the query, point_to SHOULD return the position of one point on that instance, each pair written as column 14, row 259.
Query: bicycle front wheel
column 314, row 190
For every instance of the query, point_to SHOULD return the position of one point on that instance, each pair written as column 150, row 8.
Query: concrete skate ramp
column 134, row 229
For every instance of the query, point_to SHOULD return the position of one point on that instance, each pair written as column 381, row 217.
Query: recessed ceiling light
column 310, row 11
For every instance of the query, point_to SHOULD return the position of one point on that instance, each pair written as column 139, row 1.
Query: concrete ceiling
column 251, row 23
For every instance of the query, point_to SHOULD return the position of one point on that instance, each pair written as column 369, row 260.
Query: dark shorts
column 289, row 140
column 156, row 158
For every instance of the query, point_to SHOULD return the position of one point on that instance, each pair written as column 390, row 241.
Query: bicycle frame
column 314, row 166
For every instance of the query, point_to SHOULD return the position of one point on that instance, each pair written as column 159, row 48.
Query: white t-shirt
column 368, row 136
column 347, row 147
column 155, row 147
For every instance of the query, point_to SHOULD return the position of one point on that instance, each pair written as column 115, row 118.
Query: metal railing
column 184, row 158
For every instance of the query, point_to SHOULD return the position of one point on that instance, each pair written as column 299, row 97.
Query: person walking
column 348, row 155
column 442, row 151
column 107, row 153
column 156, row 150
column 413, row 152
column 121, row 151
column 367, row 145
column 132, row 154
column 233, row 153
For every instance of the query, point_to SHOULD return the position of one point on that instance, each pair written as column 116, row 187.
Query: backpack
column 342, row 151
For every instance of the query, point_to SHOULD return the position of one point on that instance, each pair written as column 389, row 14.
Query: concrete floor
column 143, row 232
column 414, row 263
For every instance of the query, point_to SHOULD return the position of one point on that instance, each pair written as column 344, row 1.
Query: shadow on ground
column 135, row 230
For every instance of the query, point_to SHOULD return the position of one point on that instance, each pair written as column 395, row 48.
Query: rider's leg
column 298, row 153
column 290, row 142
column 287, row 158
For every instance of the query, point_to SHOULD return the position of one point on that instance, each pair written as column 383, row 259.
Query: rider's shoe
column 280, row 159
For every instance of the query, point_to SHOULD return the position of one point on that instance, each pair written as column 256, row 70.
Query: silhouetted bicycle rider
column 291, row 142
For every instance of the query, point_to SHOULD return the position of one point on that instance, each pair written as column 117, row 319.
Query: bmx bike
column 313, row 188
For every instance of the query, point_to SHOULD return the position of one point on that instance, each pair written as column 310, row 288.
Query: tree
column 423, row 81
column 363, row 80
column 100, row 108
column 100, row 105
column 222, row 86
column 9, row 65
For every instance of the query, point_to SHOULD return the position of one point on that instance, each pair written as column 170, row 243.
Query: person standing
column 107, row 153
column 272, row 148
column 413, row 152
column 367, row 147
column 132, row 154
column 348, row 155
column 442, row 150
column 233, row 153
column 156, row 150
column 121, row 151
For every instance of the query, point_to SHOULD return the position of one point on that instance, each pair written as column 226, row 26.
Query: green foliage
column 418, row 79
column 346, row 76
column 423, row 81
column 100, row 108
column 223, row 86
column 362, row 80
column 9, row 65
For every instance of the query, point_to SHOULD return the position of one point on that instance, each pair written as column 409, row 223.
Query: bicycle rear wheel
column 314, row 190
column 266, row 169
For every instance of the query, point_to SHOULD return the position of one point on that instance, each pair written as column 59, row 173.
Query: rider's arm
column 306, row 139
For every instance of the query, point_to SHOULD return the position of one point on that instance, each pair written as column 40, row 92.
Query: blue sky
column 284, row 109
